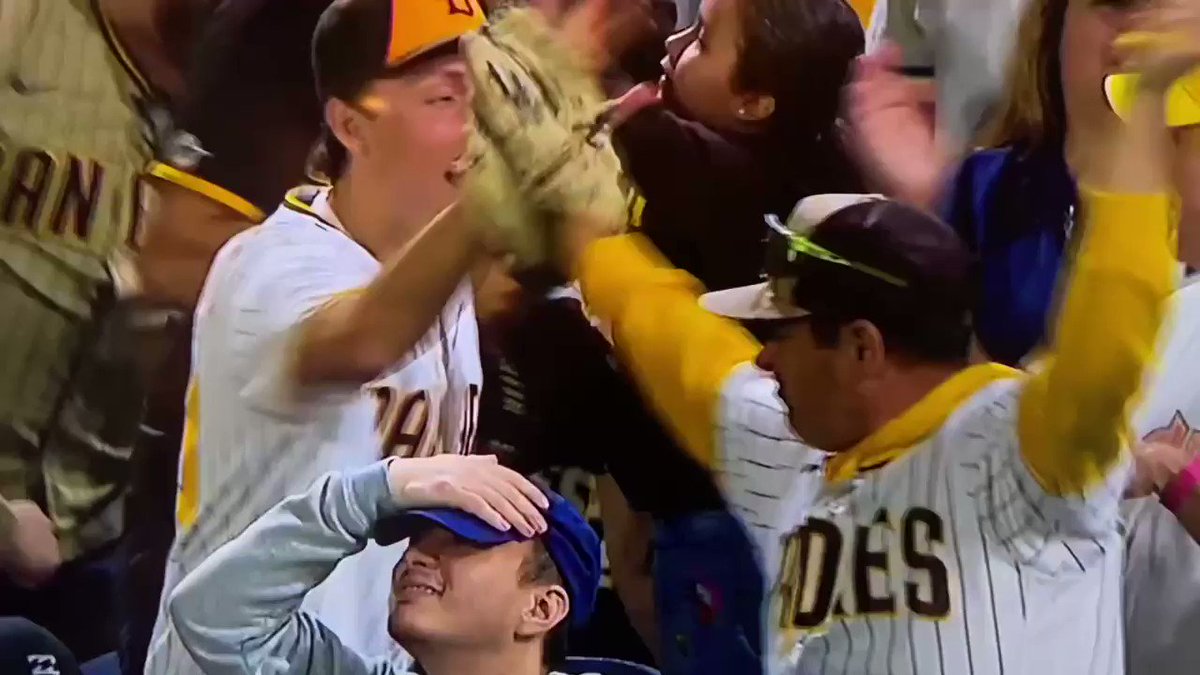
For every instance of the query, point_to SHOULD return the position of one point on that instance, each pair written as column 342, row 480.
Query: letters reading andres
column 814, row 555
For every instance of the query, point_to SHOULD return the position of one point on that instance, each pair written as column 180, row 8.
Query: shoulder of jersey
column 290, row 231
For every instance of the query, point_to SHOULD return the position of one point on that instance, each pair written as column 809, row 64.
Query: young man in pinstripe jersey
column 341, row 329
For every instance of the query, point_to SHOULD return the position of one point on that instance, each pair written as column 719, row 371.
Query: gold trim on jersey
column 295, row 200
column 916, row 424
column 211, row 190
column 114, row 45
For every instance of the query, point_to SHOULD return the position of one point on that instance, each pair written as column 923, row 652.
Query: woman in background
column 1014, row 200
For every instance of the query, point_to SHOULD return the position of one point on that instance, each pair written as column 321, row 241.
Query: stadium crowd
column 559, row 337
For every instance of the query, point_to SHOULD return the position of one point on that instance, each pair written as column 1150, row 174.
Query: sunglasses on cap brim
column 786, row 248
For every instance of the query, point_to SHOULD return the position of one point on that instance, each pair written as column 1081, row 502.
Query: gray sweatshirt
column 239, row 611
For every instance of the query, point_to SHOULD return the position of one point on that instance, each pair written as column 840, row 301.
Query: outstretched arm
column 680, row 355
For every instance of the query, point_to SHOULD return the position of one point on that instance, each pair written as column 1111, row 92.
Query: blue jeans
column 709, row 591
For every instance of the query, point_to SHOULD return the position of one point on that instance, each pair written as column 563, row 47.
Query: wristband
column 1177, row 491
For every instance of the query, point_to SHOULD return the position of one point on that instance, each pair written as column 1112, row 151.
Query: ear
column 864, row 338
column 548, row 606
column 347, row 125
column 754, row 108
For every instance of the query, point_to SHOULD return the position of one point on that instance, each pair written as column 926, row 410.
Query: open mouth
column 417, row 588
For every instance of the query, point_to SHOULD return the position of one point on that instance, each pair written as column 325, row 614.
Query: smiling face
column 406, row 132
column 447, row 591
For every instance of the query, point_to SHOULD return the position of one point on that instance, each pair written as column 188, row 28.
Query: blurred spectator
column 1014, row 202
column 964, row 44
column 81, row 80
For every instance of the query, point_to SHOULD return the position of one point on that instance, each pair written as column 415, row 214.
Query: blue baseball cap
column 569, row 539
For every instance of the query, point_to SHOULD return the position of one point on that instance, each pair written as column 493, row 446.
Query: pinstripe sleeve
column 239, row 611
column 768, row 476
column 273, row 286
column 696, row 369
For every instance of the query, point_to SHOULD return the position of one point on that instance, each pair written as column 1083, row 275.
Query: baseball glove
column 541, row 138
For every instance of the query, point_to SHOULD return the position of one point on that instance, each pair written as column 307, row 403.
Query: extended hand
column 1155, row 464
column 892, row 129
column 476, row 484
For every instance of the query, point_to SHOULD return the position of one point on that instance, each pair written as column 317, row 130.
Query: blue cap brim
column 463, row 525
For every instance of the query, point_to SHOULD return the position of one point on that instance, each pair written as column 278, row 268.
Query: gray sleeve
column 239, row 611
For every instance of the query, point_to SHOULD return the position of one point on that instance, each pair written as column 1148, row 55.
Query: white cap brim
column 750, row 303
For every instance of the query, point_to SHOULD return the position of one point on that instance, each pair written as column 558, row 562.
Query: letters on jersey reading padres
column 948, row 557
column 250, row 440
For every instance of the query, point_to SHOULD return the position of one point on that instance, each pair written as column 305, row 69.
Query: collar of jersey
column 313, row 201
column 914, row 425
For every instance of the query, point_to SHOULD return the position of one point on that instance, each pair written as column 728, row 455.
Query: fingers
column 523, row 493
column 509, row 508
column 521, row 498
column 477, row 505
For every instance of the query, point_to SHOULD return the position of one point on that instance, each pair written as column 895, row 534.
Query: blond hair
column 1032, row 112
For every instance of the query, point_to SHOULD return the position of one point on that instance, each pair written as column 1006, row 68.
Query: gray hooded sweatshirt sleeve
column 239, row 611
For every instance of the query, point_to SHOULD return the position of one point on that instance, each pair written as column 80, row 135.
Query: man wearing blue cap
column 495, row 570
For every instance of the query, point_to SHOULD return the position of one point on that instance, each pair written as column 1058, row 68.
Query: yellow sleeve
column 679, row 354
column 1074, row 410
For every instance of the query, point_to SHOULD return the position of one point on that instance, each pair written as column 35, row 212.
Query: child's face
column 699, row 68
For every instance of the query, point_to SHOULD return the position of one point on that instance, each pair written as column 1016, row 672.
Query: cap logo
column 463, row 8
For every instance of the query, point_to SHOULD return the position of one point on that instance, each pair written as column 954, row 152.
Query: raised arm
column 1073, row 423
column 680, row 355
column 240, row 610
column 356, row 336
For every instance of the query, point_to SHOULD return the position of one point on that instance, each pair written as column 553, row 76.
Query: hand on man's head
column 476, row 484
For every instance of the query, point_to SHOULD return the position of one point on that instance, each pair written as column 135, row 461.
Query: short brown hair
column 1033, row 112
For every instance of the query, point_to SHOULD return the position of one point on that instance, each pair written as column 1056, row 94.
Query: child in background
column 743, row 123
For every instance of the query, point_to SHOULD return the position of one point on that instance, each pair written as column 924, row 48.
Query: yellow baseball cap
column 357, row 41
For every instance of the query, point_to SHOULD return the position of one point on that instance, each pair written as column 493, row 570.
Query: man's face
column 446, row 591
column 821, row 385
column 414, row 130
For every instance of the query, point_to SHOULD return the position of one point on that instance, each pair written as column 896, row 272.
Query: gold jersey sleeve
column 73, row 145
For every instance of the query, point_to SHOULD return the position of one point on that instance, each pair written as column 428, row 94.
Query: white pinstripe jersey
column 1162, row 570
column 950, row 559
column 250, row 441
